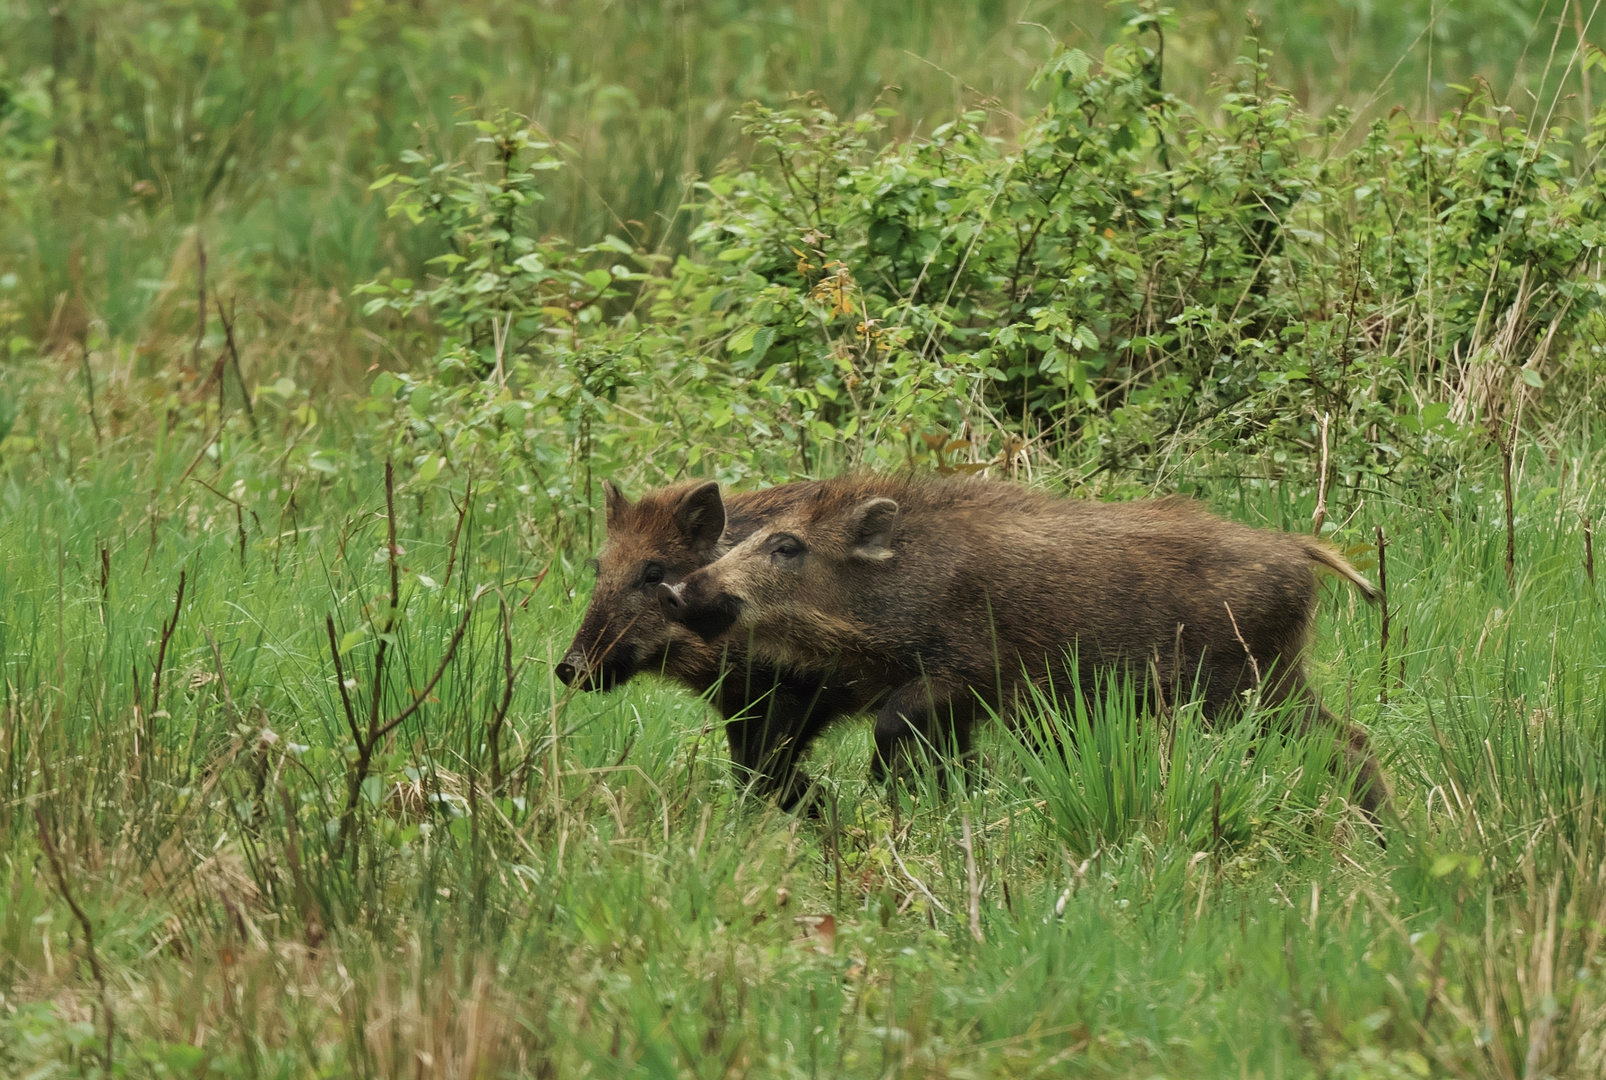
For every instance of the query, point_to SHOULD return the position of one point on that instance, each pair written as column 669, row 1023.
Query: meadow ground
column 287, row 785
column 554, row 883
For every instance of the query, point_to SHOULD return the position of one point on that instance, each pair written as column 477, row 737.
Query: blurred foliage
column 1131, row 286
column 123, row 124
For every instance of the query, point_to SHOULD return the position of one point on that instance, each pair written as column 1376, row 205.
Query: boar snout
column 614, row 665
column 707, row 616
column 671, row 598
column 573, row 666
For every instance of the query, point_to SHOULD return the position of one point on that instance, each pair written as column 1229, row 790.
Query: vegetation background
column 322, row 320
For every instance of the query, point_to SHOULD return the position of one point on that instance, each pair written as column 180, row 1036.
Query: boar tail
column 1339, row 565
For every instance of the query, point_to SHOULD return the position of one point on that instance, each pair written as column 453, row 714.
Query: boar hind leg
column 1355, row 752
column 1354, row 755
column 920, row 714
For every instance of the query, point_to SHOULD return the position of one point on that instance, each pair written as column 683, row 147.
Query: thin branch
column 493, row 734
column 1253, row 665
column 59, row 872
column 340, row 680
column 161, row 650
column 395, row 600
column 970, row 880
column 462, row 513
column 200, row 302
column 1383, row 606
column 423, row 695
column 940, row 906
column 239, row 375
column 222, row 681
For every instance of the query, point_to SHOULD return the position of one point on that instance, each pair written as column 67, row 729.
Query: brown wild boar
column 771, row 714
column 951, row 597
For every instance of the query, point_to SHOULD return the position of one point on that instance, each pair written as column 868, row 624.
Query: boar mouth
column 707, row 617
column 578, row 671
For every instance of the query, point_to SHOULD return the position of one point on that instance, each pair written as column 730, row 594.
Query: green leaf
column 384, row 386
column 763, row 338
column 420, row 400
column 383, row 182
column 352, row 639
column 1532, row 378
column 431, row 468
column 373, row 788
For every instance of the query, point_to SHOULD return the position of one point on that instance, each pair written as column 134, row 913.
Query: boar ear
column 615, row 501
column 701, row 516
column 870, row 528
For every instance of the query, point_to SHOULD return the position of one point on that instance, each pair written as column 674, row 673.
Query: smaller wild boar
column 953, row 597
column 771, row 714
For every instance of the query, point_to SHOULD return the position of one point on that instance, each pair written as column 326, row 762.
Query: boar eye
column 652, row 574
column 786, row 547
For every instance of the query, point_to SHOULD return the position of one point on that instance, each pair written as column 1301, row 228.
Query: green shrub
column 1131, row 284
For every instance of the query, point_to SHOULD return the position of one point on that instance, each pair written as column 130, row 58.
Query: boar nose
column 568, row 669
column 672, row 599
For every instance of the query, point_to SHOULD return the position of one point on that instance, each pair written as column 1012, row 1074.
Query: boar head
column 651, row 543
column 788, row 589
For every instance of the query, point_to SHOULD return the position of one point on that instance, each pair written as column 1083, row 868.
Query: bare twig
column 161, row 650
column 59, row 873
column 340, row 680
column 199, row 454
column 200, row 302
column 1254, row 666
column 367, row 744
column 462, row 514
column 239, row 375
column 89, row 390
column 1321, row 484
column 239, row 514
column 105, row 553
column 1589, row 550
column 451, row 651
column 938, row 904
column 1511, row 510
column 395, row 599
column 493, row 730
column 222, row 681
column 970, row 879
column 1383, row 606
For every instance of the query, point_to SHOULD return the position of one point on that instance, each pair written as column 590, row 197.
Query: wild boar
column 952, row 597
column 771, row 714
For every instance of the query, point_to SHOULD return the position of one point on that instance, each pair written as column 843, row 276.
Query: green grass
column 616, row 908
column 208, row 867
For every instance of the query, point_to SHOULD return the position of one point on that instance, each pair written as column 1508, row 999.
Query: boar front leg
column 922, row 713
column 770, row 722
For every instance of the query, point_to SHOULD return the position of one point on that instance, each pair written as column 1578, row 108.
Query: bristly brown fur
column 977, row 589
column 771, row 713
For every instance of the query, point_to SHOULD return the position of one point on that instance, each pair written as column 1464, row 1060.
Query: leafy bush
column 1132, row 283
